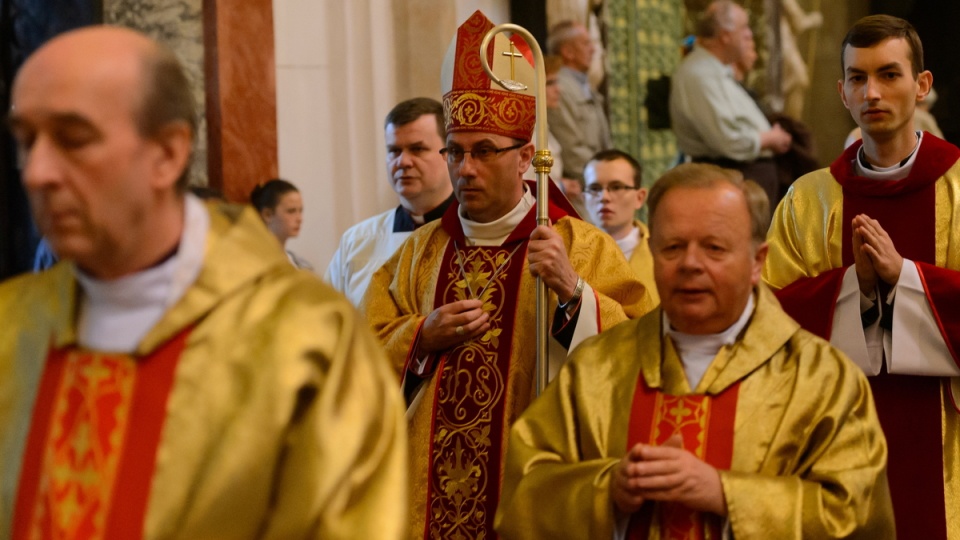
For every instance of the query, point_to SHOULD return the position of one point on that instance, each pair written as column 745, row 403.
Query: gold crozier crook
column 542, row 161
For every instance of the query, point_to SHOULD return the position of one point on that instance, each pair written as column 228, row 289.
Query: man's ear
column 526, row 156
column 843, row 98
column 175, row 142
column 641, row 197
column 924, row 84
column 759, row 258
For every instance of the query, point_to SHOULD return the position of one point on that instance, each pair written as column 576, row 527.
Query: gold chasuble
column 472, row 393
column 641, row 260
column 80, row 448
column 786, row 419
column 810, row 251
column 259, row 406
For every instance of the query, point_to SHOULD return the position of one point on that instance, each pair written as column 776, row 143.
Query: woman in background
column 281, row 207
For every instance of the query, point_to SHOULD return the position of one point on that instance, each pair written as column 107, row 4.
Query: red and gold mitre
column 472, row 101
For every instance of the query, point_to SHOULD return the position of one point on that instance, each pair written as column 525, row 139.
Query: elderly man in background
column 714, row 416
column 580, row 122
column 714, row 118
column 173, row 376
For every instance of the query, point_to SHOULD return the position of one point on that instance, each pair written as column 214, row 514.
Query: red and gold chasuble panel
column 468, row 417
column 705, row 425
column 92, row 444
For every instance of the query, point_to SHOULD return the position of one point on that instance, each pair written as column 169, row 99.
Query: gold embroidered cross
column 512, row 54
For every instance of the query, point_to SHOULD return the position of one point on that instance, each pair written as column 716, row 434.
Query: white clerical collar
column 495, row 232
column 898, row 171
column 697, row 351
column 629, row 242
column 116, row 314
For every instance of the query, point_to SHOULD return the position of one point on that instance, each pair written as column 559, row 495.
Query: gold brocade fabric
column 83, row 449
column 284, row 420
column 797, row 251
column 402, row 293
column 808, row 453
column 641, row 260
column 469, row 408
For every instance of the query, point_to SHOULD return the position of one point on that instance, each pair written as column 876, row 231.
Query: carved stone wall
column 179, row 25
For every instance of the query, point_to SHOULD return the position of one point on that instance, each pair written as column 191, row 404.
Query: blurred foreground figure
column 174, row 376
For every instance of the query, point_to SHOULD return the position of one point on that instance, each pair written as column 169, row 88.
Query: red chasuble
column 93, row 442
column 705, row 424
column 469, row 405
column 909, row 407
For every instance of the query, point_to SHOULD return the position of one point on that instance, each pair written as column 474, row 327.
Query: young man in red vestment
column 455, row 306
column 714, row 416
column 174, row 376
column 866, row 253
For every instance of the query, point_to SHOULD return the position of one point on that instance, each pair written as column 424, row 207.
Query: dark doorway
column 24, row 26
column 532, row 15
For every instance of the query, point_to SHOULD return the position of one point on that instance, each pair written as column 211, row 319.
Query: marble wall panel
column 179, row 25
column 242, row 102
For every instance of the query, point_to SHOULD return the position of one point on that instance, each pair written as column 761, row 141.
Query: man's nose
column 468, row 166
column 404, row 160
column 691, row 259
column 871, row 89
column 41, row 164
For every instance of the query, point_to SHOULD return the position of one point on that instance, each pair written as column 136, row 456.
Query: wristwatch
column 575, row 299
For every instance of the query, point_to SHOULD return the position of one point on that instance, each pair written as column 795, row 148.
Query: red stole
column 466, row 450
column 705, row 423
column 909, row 407
column 92, row 445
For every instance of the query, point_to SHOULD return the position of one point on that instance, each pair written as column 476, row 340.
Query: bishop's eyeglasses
column 483, row 153
column 615, row 188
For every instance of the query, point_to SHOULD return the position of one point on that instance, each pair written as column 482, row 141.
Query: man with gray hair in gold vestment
column 173, row 376
column 714, row 416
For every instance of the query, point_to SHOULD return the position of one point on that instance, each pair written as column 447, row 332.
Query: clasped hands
column 457, row 322
column 666, row 473
column 874, row 255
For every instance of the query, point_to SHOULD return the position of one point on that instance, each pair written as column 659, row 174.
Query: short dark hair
column 166, row 98
column 705, row 175
column 873, row 29
column 612, row 155
column 412, row 109
column 267, row 194
column 716, row 17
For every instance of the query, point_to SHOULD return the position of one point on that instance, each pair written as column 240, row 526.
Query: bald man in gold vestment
column 174, row 376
